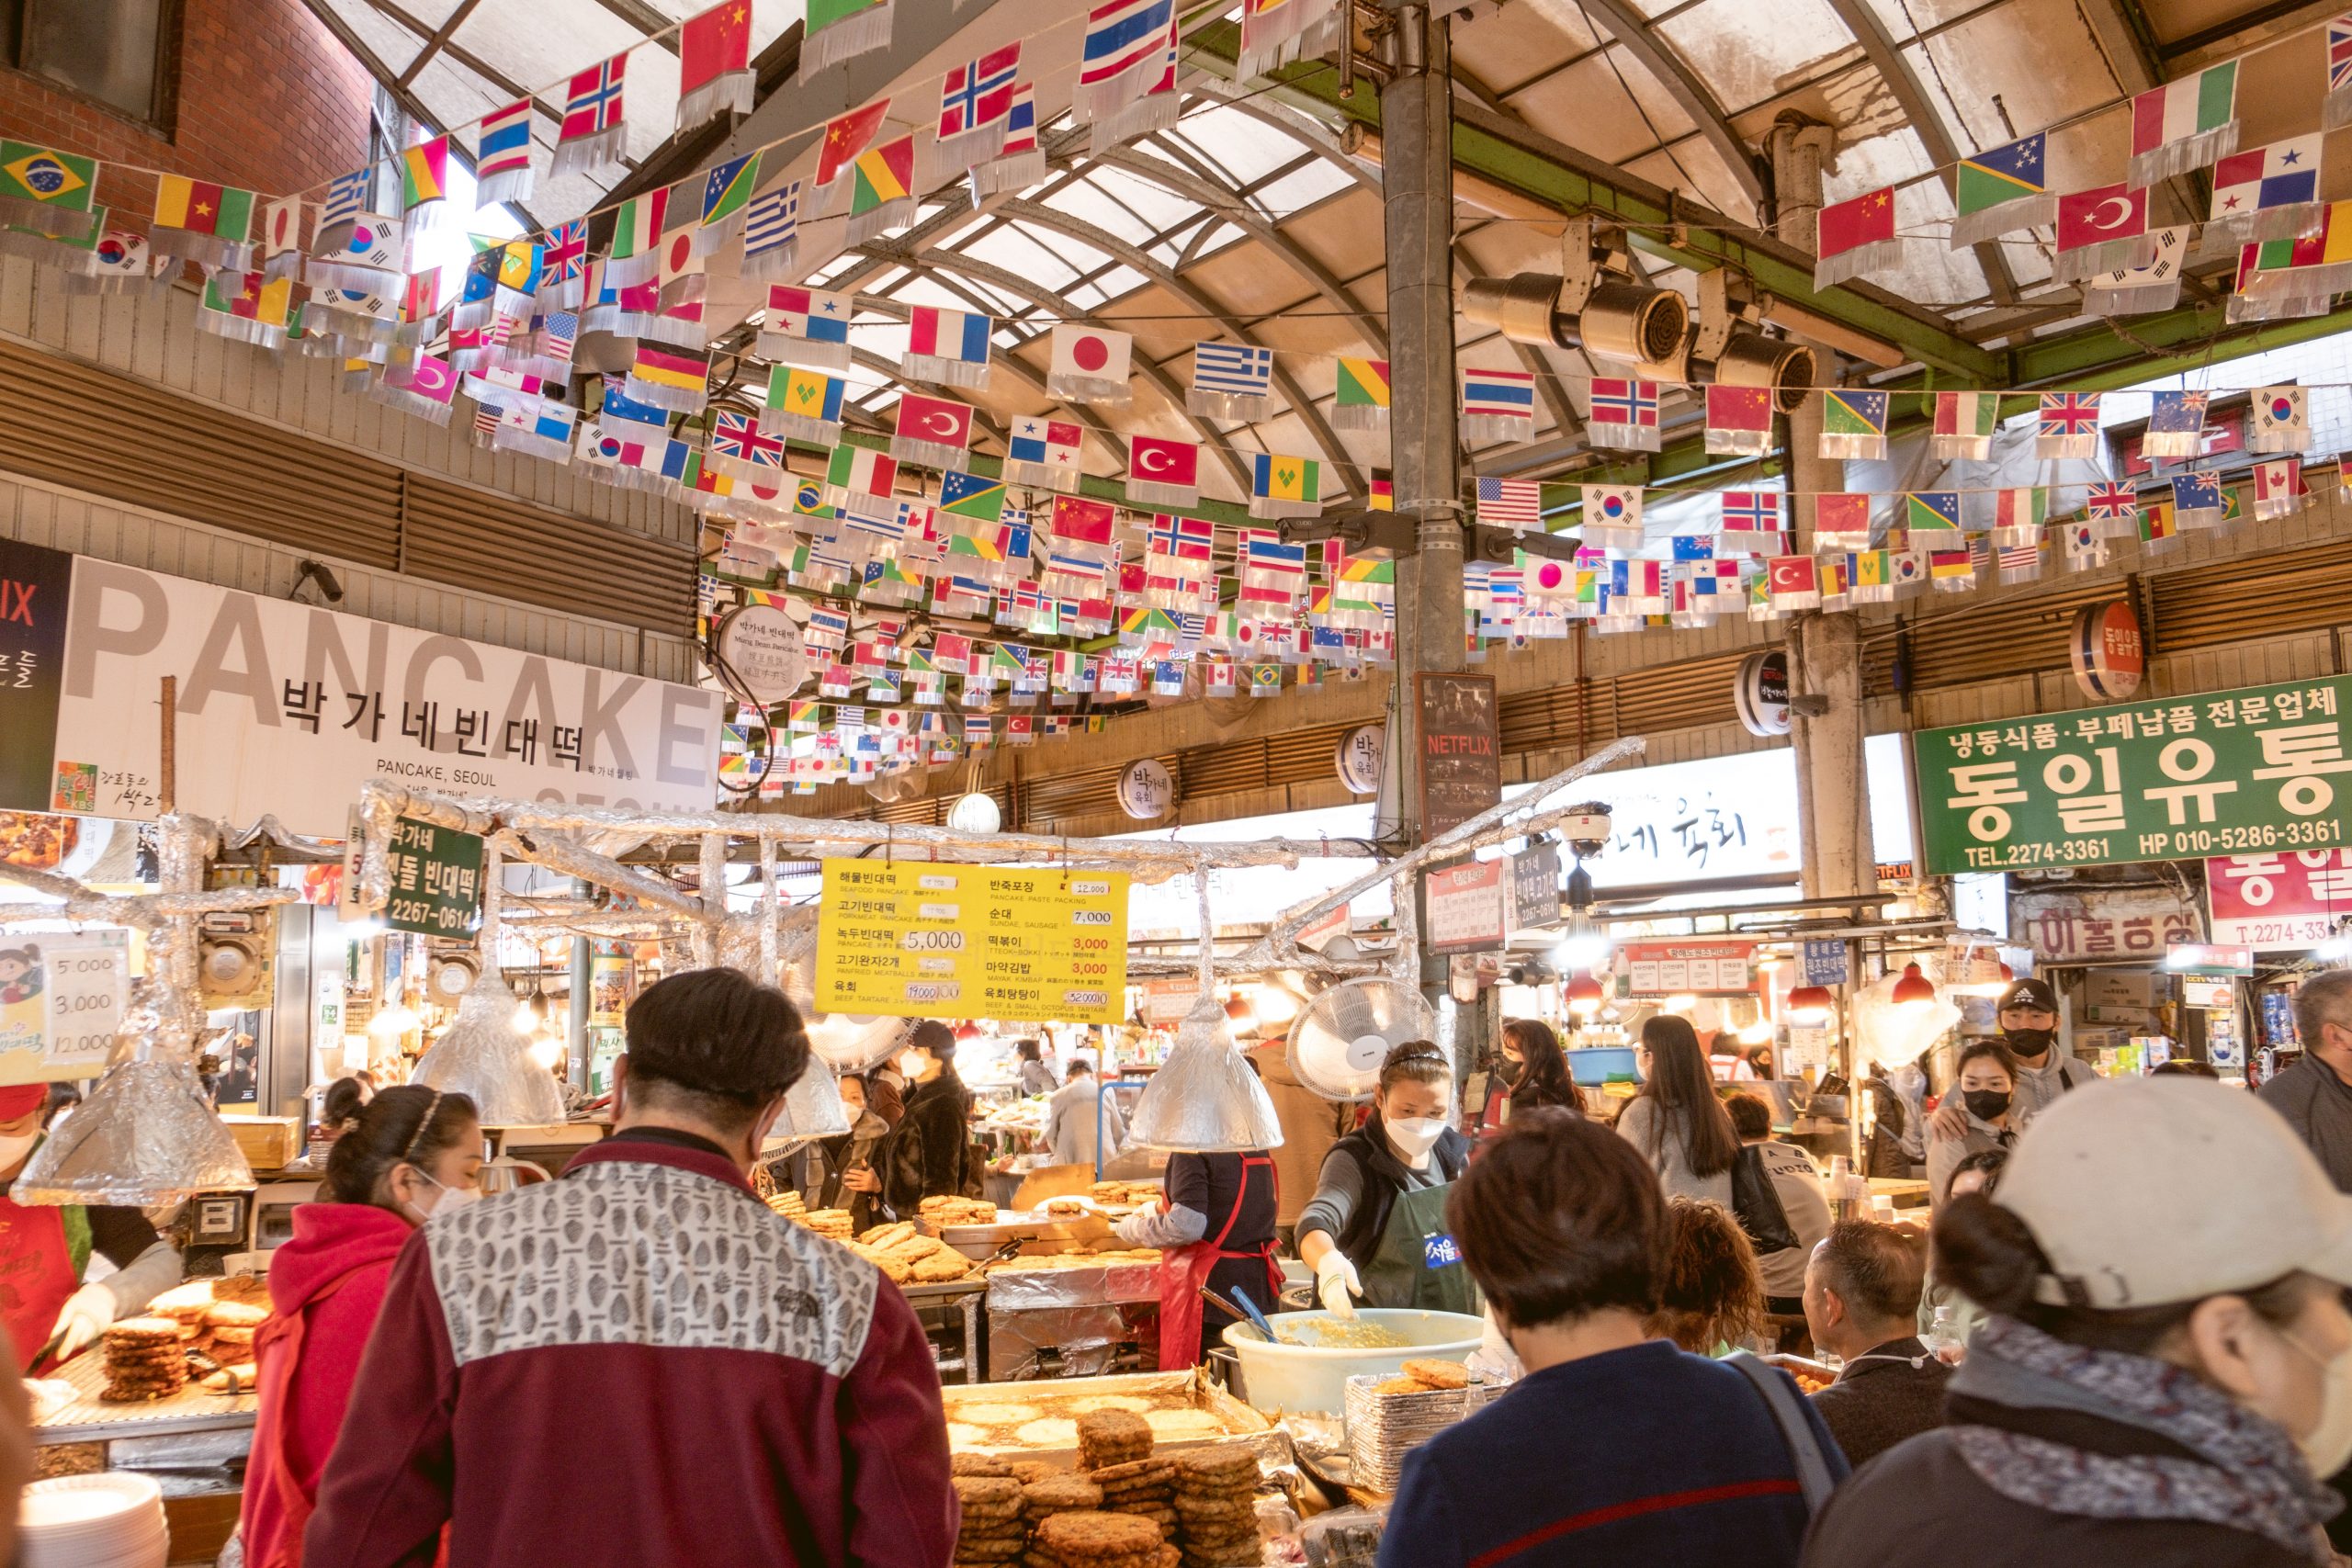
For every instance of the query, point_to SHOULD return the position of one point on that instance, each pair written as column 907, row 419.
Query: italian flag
column 2186, row 124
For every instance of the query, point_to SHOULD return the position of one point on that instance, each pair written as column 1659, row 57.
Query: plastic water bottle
column 1943, row 1339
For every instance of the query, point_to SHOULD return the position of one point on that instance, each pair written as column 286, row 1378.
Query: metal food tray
column 1010, row 1226
column 1243, row 1425
column 89, row 1419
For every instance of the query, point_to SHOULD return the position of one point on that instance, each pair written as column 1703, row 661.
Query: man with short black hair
column 2314, row 1094
column 1862, row 1301
column 2028, row 1014
column 640, row 1364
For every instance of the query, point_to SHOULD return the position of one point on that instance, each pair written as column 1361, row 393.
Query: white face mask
column 445, row 1200
column 17, row 1147
column 1415, row 1135
column 2328, row 1446
column 910, row 1064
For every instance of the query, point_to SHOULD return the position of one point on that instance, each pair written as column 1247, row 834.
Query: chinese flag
column 713, row 43
column 846, row 137
column 1867, row 220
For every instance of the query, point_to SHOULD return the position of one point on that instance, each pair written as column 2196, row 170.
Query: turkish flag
column 1789, row 576
column 1164, row 462
column 935, row 420
column 2096, row 217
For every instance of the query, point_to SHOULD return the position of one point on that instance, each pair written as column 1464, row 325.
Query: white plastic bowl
column 1280, row 1377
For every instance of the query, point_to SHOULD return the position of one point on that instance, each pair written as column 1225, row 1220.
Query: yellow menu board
column 928, row 941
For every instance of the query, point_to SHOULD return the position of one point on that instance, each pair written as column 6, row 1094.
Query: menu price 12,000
column 922, row 940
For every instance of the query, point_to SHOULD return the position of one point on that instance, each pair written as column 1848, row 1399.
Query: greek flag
column 772, row 232
column 1231, row 380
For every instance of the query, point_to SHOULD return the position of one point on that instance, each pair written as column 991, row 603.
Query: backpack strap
column 1780, row 1398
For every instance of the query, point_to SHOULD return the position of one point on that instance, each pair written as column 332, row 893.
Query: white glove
column 87, row 1312
column 1335, row 1281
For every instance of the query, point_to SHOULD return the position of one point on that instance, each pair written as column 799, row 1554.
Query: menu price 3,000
column 922, row 940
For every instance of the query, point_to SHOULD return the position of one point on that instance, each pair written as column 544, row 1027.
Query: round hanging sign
column 1760, row 692
column 1358, row 758
column 1146, row 791
column 763, row 648
column 2107, row 651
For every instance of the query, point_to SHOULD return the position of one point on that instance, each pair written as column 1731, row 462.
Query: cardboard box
column 270, row 1142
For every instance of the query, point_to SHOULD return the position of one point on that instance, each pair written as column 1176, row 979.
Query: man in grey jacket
column 2315, row 1094
column 2029, row 1018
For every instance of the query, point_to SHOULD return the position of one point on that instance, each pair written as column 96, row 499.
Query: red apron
column 37, row 1274
column 276, row 1508
column 1184, row 1269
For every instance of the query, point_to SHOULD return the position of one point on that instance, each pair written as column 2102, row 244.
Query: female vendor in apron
column 1215, row 1227
column 1376, row 1227
column 44, row 1249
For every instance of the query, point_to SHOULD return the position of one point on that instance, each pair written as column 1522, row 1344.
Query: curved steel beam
column 1314, row 273
column 1911, row 97
column 1666, row 67
column 1143, row 262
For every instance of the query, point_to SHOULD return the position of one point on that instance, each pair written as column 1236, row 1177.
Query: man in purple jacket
column 640, row 1364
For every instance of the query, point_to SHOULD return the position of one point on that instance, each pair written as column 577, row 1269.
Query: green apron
column 1416, row 1263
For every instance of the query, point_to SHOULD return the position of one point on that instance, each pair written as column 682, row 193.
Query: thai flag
column 1267, row 556
column 1499, row 394
column 1122, row 36
column 505, row 140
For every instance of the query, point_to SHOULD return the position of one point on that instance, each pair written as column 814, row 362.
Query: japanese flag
column 1090, row 362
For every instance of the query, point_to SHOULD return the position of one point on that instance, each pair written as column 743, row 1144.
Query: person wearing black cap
column 2029, row 1018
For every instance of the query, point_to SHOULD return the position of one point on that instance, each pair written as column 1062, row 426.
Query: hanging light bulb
column 1276, row 1004
column 547, row 1051
column 1811, row 1006
column 1681, row 1002
column 1913, row 987
column 1584, row 995
column 1757, row 1033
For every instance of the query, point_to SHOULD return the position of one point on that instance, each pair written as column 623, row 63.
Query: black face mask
column 2030, row 1042
column 1986, row 1104
column 1513, row 1073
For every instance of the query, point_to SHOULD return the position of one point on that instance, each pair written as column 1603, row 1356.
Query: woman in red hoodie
column 410, row 1153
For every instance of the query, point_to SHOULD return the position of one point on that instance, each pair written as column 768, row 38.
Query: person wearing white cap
column 2168, row 1362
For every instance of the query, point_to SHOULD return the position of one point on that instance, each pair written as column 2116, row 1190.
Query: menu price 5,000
column 921, row 939
column 2235, row 772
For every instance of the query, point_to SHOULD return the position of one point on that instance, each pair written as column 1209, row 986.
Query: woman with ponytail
column 2164, row 1377
column 405, row 1155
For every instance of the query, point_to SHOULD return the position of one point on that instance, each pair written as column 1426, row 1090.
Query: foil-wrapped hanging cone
column 484, row 1057
column 146, row 1135
column 1204, row 1100
column 851, row 1043
column 813, row 1108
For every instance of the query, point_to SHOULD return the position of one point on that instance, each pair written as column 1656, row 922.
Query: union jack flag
column 2339, row 53
column 2112, row 504
column 2069, row 414
column 564, row 258
column 979, row 93
column 1617, row 401
column 737, row 436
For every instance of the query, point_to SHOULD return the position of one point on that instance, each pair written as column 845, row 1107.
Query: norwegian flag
column 1751, row 521
column 1624, row 413
column 2114, row 510
column 976, row 102
column 2068, row 426
column 593, row 134
column 1181, row 538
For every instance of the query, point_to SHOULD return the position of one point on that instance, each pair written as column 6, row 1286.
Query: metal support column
column 1416, row 183
column 1824, row 649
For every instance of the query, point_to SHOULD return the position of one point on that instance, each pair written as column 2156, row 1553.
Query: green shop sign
column 436, row 880
column 2218, row 773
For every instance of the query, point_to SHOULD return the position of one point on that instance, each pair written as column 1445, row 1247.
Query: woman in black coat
column 931, row 1150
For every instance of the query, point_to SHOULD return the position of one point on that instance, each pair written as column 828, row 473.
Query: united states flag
column 1510, row 503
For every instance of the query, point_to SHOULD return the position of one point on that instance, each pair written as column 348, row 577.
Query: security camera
column 1586, row 828
column 330, row 587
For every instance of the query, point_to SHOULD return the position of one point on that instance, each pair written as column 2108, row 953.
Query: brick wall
column 265, row 99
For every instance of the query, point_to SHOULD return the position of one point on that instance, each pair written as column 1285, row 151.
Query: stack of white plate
column 113, row 1521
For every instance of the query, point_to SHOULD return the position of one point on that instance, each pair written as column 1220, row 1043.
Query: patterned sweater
column 638, row 1364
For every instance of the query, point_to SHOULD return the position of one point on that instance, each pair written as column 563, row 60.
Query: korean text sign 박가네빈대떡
column 2182, row 778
